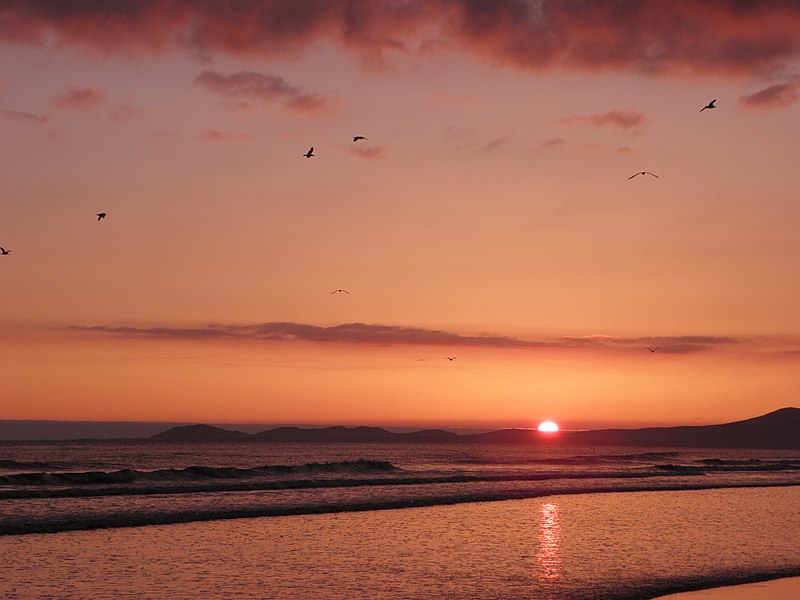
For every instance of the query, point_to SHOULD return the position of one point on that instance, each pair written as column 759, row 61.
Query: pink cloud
column 213, row 135
column 85, row 98
column 624, row 119
column 367, row 152
column 23, row 116
column 658, row 36
column 782, row 94
column 249, row 84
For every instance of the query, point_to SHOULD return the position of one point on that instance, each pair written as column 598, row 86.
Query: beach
column 599, row 546
column 775, row 589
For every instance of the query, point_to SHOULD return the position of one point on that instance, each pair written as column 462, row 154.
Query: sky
column 489, row 216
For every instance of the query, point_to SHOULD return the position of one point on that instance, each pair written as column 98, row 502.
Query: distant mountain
column 354, row 434
column 200, row 433
column 778, row 429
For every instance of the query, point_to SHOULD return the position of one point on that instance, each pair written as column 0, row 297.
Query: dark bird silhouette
column 644, row 173
column 420, row 360
column 4, row 252
column 101, row 216
column 450, row 358
column 652, row 349
column 338, row 291
column 358, row 137
column 709, row 105
column 310, row 152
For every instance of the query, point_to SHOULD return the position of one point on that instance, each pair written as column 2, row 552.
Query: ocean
column 259, row 520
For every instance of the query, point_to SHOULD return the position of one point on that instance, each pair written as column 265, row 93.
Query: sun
column 548, row 427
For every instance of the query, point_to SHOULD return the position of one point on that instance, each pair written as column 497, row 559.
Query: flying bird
column 338, row 291
column 652, row 349
column 101, row 216
column 358, row 137
column 644, row 173
column 310, row 152
column 709, row 105
column 450, row 358
column 4, row 252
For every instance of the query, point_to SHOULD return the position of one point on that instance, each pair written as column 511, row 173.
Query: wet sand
column 776, row 589
column 578, row 547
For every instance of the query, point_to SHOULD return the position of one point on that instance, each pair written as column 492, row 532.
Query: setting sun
column 548, row 427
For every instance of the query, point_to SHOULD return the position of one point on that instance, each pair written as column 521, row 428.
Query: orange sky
column 489, row 216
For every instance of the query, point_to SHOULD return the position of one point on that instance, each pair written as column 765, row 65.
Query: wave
column 17, row 464
column 155, row 487
column 135, row 517
column 579, row 460
column 194, row 473
column 750, row 462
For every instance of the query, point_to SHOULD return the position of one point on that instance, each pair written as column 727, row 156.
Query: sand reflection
column 548, row 558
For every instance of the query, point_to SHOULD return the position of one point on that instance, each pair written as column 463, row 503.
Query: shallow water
column 601, row 546
column 67, row 486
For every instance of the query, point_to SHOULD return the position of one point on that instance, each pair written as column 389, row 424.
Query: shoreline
column 773, row 588
column 193, row 516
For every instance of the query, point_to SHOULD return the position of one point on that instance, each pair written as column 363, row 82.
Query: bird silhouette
column 644, row 173
column 338, row 291
column 310, row 152
column 4, row 252
column 652, row 349
column 101, row 216
column 450, row 358
column 358, row 137
column 709, row 105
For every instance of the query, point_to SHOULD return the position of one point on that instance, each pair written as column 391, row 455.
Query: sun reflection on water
column 548, row 558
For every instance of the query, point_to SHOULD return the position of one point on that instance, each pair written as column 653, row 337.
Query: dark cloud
column 782, row 94
column 494, row 144
column 250, row 84
column 376, row 334
column 624, row 119
column 682, row 344
column 85, row 98
column 656, row 36
column 348, row 333
column 23, row 116
column 554, row 142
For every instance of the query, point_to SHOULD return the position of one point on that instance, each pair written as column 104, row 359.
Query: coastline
column 785, row 588
column 577, row 547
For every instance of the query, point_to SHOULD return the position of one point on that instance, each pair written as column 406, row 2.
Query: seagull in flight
column 358, row 137
column 644, row 173
column 709, row 105
column 310, row 152
column 101, row 216
column 450, row 358
column 339, row 291
column 652, row 349
column 4, row 252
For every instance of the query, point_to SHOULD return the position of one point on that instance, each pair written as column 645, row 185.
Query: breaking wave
column 17, row 464
column 194, row 473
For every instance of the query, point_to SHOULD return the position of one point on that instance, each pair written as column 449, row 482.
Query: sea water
column 392, row 521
